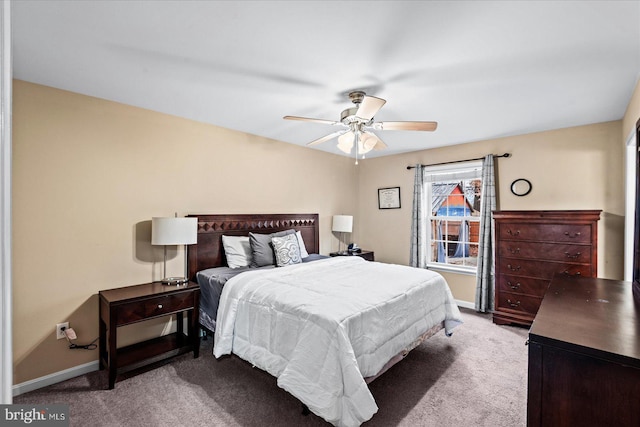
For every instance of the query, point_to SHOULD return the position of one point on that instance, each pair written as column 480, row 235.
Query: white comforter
column 321, row 327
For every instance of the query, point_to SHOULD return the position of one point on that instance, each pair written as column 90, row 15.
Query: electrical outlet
column 59, row 331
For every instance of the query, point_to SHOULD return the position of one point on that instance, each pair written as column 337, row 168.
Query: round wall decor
column 521, row 187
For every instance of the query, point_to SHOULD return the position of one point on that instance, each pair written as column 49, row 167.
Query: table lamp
column 173, row 231
column 342, row 224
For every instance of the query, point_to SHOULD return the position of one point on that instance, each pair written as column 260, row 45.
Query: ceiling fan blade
column 308, row 119
column 327, row 137
column 424, row 126
column 369, row 106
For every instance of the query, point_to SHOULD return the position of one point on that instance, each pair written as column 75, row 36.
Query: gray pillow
column 262, row 248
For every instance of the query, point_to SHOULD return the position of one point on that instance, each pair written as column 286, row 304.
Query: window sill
column 452, row 269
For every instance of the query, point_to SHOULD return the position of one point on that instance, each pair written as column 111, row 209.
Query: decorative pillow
column 303, row 248
column 237, row 251
column 287, row 250
column 262, row 249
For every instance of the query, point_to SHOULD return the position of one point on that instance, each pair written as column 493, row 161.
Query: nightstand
column 132, row 304
column 368, row 255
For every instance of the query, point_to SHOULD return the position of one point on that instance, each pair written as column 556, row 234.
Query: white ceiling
column 481, row 69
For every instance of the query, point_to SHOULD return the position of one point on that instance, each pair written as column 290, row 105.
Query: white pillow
column 237, row 250
column 303, row 248
column 287, row 250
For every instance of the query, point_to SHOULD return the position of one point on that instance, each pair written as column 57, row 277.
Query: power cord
column 91, row 346
column 70, row 334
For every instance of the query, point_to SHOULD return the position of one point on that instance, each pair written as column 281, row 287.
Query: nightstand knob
column 159, row 305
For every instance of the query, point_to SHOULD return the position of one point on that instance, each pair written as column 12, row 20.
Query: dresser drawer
column 168, row 304
column 518, row 303
column 570, row 233
column 522, row 285
column 541, row 269
column 545, row 251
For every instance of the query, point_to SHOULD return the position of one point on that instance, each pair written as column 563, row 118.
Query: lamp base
column 174, row 281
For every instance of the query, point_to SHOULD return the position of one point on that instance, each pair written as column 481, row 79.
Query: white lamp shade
column 342, row 223
column 174, row 231
column 345, row 142
column 367, row 142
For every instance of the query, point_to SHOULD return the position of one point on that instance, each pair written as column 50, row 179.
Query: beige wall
column 89, row 174
column 632, row 114
column 573, row 168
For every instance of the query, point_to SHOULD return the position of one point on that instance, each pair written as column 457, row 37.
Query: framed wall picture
column 389, row 198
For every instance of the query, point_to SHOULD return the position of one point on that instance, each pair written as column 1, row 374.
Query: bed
column 324, row 328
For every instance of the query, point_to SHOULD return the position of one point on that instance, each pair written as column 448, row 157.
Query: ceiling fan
column 358, row 124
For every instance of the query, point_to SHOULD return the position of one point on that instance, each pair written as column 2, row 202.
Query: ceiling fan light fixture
column 367, row 142
column 357, row 120
column 345, row 142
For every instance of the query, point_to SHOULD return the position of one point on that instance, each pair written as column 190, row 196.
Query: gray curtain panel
column 418, row 241
column 485, row 278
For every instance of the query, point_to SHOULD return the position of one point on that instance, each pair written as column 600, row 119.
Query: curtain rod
column 461, row 161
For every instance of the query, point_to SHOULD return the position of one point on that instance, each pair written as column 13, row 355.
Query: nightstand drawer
column 168, row 304
column 133, row 312
column 129, row 313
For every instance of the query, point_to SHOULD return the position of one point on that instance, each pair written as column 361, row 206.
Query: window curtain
column 441, row 255
column 462, row 247
column 485, row 278
column 418, row 254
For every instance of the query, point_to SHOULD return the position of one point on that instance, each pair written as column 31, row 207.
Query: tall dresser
column 531, row 247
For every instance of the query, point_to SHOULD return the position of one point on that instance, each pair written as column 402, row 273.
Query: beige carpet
column 477, row 377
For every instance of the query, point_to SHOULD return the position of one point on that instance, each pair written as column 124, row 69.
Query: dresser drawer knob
column 568, row 273
column 159, row 305
column 516, row 268
column 513, row 233
column 576, row 234
column 572, row 256
column 513, row 304
column 514, row 251
column 512, row 286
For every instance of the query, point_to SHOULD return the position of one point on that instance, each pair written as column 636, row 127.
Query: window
column 453, row 198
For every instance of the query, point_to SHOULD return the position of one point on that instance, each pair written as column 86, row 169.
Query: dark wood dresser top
column 597, row 315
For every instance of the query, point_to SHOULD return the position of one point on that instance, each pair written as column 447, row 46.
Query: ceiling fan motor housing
column 348, row 116
column 356, row 96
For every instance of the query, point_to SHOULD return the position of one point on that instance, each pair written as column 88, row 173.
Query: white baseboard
column 55, row 378
column 466, row 304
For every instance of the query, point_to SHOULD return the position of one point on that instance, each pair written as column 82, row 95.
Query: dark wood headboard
column 208, row 252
